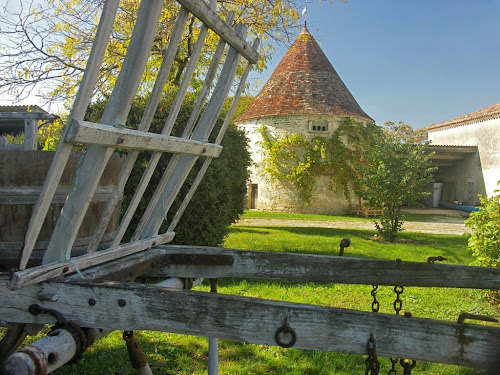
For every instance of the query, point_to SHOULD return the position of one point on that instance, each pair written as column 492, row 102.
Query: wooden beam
column 109, row 136
column 447, row 157
column 202, row 10
column 126, row 306
column 52, row 270
column 300, row 268
column 334, row 269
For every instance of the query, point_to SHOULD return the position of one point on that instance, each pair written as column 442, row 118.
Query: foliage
column 220, row 197
column 50, row 135
column 485, row 224
column 300, row 161
column 395, row 171
column 46, row 43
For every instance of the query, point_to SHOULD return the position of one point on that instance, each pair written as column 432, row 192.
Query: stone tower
column 304, row 95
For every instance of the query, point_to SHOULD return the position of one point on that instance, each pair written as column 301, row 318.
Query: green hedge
column 220, row 198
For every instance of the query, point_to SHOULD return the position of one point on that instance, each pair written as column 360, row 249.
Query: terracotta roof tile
column 304, row 82
column 484, row 114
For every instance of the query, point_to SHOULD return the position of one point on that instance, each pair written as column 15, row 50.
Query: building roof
column 484, row 114
column 304, row 83
column 21, row 108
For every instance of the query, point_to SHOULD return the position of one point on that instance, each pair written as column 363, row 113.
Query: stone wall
column 274, row 196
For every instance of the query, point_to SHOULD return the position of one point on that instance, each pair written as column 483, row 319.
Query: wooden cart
column 88, row 296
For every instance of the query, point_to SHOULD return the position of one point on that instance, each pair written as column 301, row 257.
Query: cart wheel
column 11, row 340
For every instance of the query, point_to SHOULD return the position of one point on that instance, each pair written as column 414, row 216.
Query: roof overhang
column 446, row 156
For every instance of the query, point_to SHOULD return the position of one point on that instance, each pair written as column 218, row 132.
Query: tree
column 45, row 44
column 300, row 161
column 484, row 241
column 394, row 171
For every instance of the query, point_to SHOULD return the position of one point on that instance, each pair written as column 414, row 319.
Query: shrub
column 220, row 197
column 485, row 224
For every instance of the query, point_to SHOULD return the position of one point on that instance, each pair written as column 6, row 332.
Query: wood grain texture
column 143, row 307
column 202, row 10
column 334, row 269
column 104, row 135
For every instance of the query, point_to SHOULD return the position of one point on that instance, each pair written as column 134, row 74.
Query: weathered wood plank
column 116, row 111
column 313, row 268
column 334, row 269
column 144, row 125
column 25, row 195
column 299, row 267
column 52, row 270
column 220, row 136
column 167, row 190
column 143, row 307
column 30, row 134
column 104, row 135
column 201, row 10
column 64, row 150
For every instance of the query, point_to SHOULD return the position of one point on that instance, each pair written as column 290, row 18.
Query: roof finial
column 304, row 11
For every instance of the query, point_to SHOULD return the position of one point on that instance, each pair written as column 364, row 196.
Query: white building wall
column 486, row 136
column 272, row 195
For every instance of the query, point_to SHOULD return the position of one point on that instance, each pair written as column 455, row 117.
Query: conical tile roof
column 303, row 83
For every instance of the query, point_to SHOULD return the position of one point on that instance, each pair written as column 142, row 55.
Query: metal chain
column 375, row 303
column 407, row 366
column 393, row 366
column 398, row 302
column 372, row 363
column 398, row 305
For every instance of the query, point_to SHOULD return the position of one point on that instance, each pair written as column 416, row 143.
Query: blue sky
column 416, row 61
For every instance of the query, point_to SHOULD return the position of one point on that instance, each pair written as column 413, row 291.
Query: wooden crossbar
column 253, row 320
column 97, row 134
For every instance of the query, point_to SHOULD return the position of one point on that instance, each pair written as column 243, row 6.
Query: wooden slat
column 148, row 173
column 116, row 111
column 163, row 197
column 251, row 320
column 206, row 164
column 30, row 134
column 45, row 272
column 104, row 135
column 144, row 125
column 201, row 10
column 64, row 150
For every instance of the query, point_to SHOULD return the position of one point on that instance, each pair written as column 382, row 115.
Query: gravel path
column 438, row 221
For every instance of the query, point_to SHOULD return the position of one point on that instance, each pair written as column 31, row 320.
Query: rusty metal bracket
column 434, row 259
column 80, row 335
column 346, row 242
column 463, row 316
column 38, row 358
column 137, row 357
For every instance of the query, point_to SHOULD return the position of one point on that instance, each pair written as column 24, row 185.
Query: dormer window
column 318, row 126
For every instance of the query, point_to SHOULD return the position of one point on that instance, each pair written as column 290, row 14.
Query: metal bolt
column 120, row 140
column 91, row 302
column 121, row 302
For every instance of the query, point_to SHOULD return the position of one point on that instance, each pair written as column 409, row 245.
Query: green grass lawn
column 180, row 354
